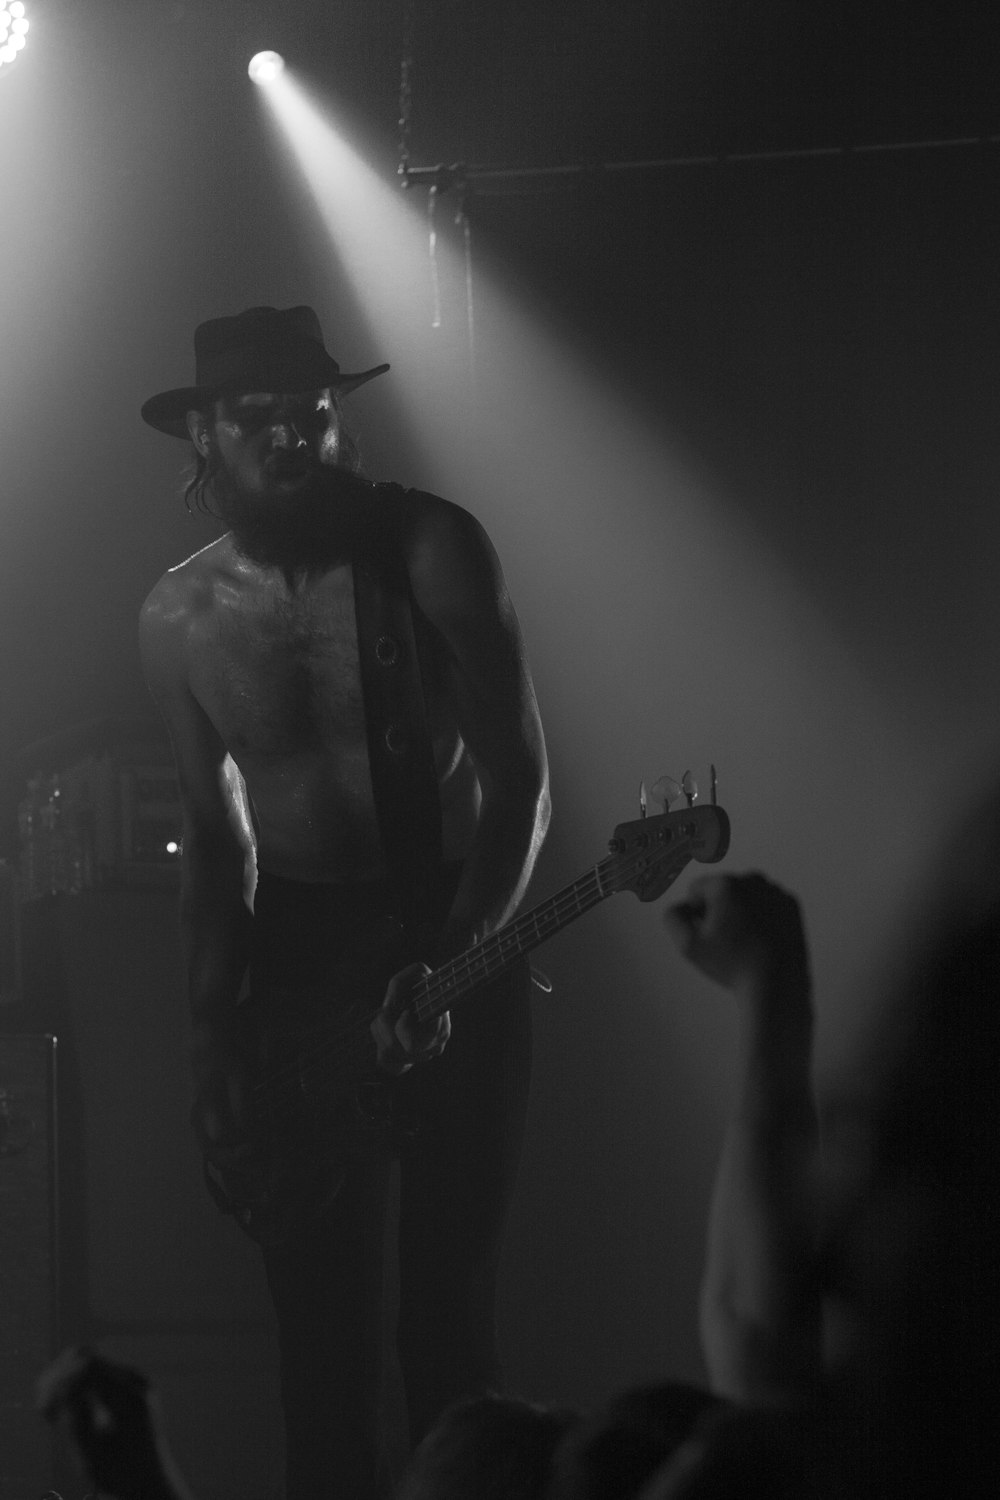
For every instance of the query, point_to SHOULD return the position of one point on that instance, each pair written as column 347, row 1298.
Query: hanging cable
column 464, row 223
column 432, row 198
column 406, row 93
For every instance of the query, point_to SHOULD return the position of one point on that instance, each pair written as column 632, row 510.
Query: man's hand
column 742, row 931
column 400, row 1039
column 222, row 1113
column 759, row 1313
column 115, row 1423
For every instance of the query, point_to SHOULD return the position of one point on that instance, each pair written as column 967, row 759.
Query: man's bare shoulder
column 191, row 586
column 440, row 537
column 426, row 513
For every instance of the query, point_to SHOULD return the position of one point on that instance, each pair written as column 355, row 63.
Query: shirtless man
column 251, row 650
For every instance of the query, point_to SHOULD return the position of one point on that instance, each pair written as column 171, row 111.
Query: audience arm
column 116, row 1426
column 760, row 1313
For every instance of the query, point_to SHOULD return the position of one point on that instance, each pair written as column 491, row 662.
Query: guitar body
column 320, row 1101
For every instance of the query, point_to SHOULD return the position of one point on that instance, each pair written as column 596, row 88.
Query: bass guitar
column 319, row 1096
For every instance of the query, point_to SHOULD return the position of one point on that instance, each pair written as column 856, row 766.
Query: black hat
column 261, row 349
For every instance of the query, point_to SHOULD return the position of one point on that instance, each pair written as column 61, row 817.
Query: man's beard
column 306, row 528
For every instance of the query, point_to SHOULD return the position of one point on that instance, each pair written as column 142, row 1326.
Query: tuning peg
column 642, row 799
column 689, row 787
column 666, row 790
column 714, row 787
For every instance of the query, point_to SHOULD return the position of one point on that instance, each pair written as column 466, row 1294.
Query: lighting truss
column 462, row 179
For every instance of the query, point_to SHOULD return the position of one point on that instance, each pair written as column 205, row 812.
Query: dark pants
column 458, row 1156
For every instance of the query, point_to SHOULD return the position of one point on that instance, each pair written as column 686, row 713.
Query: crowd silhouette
column 848, row 1304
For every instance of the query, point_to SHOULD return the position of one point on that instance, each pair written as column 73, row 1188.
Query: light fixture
column 13, row 30
column 265, row 65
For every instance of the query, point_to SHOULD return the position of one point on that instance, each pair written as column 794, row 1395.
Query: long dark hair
column 203, row 468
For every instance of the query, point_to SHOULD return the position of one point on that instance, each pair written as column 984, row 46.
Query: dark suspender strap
column 399, row 743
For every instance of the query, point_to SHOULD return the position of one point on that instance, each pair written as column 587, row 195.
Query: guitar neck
column 460, row 976
column 646, row 857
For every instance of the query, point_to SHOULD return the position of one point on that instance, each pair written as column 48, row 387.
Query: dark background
column 735, row 438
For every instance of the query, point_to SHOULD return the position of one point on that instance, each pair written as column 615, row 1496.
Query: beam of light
column 664, row 630
column 376, row 231
column 265, row 66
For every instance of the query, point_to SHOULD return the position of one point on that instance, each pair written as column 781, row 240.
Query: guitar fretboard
column 646, row 858
column 460, row 976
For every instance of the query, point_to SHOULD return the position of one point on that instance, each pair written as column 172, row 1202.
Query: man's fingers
column 685, row 919
column 401, row 986
column 424, row 1039
column 391, row 1055
column 679, row 921
column 401, row 1037
column 59, row 1381
column 735, row 927
column 439, row 1040
column 89, row 1384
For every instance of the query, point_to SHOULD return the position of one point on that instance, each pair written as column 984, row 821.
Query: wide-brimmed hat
column 261, row 349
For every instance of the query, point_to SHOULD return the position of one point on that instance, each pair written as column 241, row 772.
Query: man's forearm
column 759, row 1310
column 510, row 833
column 215, row 933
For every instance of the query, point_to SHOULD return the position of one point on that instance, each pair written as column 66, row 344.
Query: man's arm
column 115, row 1421
column 216, row 870
column 459, row 587
column 760, row 1309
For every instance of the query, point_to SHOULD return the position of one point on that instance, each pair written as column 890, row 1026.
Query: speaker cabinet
column 29, row 1281
column 151, row 1271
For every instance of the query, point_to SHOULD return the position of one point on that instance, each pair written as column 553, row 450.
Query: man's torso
column 275, row 668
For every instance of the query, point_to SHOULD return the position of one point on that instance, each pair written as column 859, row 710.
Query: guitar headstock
column 647, row 856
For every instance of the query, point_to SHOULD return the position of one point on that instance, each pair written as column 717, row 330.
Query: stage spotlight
column 13, row 30
column 265, row 65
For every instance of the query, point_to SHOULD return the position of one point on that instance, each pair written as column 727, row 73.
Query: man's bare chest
column 279, row 676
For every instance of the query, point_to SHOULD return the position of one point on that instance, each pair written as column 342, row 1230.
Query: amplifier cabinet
column 151, row 1272
column 29, row 1279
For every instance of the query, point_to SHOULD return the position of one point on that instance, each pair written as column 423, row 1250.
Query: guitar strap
column 399, row 742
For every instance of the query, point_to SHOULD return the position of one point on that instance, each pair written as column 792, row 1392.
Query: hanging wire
column 405, row 121
column 445, row 180
column 432, row 198
column 464, row 223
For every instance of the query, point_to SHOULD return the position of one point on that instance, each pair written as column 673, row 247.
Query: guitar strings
column 352, row 1044
column 465, row 971
column 468, row 970
column 439, row 983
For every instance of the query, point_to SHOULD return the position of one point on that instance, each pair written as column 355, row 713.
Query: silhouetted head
column 612, row 1453
column 486, row 1448
column 750, row 1455
column 912, row 1243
